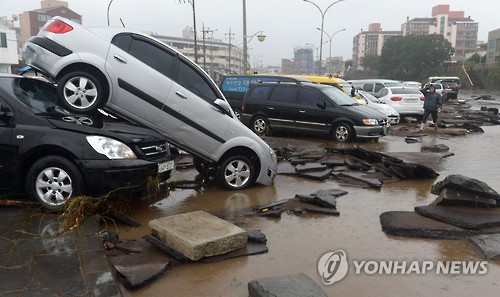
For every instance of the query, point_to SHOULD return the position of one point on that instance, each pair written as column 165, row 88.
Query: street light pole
column 330, row 37
column 322, row 26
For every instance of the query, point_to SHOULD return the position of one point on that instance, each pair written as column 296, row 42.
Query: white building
column 8, row 48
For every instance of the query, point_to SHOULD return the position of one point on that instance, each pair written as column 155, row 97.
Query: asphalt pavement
column 34, row 262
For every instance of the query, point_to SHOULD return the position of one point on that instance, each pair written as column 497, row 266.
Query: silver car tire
column 52, row 181
column 342, row 132
column 259, row 125
column 80, row 92
column 236, row 173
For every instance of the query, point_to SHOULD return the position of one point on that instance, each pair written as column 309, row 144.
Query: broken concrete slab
column 295, row 285
column 198, row 234
column 156, row 242
column 256, row 236
column 325, row 199
column 464, row 217
column 411, row 224
column 356, row 163
column 465, row 184
column 372, row 182
column 140, row 269
column 316, row 175
column 304, row 160
column 488, row 245
column 333, row 162
column 310, row 167
column 266, row 207
column 251, row 248
column 272, row 213
column 453, row 197
column 435, row 148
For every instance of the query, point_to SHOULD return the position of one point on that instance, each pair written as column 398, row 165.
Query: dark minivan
column 234, row 87
column 52, row 155
column 310, row 108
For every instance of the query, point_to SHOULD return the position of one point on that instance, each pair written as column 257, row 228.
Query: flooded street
column 297, row 242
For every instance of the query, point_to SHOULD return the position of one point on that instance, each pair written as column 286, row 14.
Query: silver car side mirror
column 223, row 106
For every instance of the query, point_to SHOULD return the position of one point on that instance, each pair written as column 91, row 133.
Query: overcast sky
column 286, row 23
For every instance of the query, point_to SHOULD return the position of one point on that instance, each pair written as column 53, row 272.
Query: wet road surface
column 297, row 242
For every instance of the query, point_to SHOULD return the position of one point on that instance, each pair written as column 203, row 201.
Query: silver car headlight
column 113, row 149
column 370, row 122
column 274, row 158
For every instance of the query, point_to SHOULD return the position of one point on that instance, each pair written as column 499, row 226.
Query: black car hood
column 366, row 112
column 102, row 125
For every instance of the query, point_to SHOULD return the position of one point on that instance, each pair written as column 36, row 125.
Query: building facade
column 370, row 42
column 31, row 22
column 493, row 47
column 459, row 30
column 214, row 56
column 8, row 47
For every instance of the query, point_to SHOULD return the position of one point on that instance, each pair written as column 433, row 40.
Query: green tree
column 410, row 57
column 370, row 62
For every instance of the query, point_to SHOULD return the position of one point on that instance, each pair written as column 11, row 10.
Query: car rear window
column 405, row 91
column 393, row 84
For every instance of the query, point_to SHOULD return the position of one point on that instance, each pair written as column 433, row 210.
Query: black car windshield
column 39, row 96
column 339, row 97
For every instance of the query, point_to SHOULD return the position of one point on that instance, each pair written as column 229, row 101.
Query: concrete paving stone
column 326, row 211
column 435, row 148
column 198, row 234
column 316, row 175
column 140, row 269
column 60, row 273
column 88, row 227
column 325, row 199
column 156, row 242
column 488, row 245
column 465, row 184
column 372, row 182
column 333, row 162
column 295, row 285
column 90, row 243
column 256, row 236
column 14, row 279
column 454, row 197
column 94, row 261
column 464, row 217
column 306, row 198
column 103, row 284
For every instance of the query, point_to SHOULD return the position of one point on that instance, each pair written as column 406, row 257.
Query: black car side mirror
column 322, row 106
column 6, row 114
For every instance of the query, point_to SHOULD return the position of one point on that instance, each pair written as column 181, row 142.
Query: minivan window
column 286, row 94
column 152, row 56
column 195, row 82
column 310, row 97
column 260, row 93
column 368, row 87
column 339, row 97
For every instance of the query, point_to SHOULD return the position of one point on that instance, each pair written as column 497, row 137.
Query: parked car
column 373, row 86
column 328, row 80
column 413, row 84
column 365, row 98
column 53, row 155
column 310, row 108
column 407, row 101
column 451, row 85
column 143, row 80
column 439, row 88
column 234, row 87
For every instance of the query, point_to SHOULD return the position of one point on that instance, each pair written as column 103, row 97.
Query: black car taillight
column 58, row 27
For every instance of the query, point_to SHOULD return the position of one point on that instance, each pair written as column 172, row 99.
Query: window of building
column 43, row 17
column 3, row 40
column 442, row 25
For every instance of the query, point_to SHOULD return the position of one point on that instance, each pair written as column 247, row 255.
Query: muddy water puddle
column 297, row 242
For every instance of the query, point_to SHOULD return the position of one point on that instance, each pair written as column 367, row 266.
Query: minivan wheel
column 80, row 92
column 237, row 113
column 342, row 132
column 259, row 125
column 236, row 173
column 52, row 181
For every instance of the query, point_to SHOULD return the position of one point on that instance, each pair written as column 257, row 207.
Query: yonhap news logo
column 333, row 267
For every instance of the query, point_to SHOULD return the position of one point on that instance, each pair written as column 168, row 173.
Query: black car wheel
column 236, row 173
column 237, row 113
column 52, row 181
column 342, row 132
column 80, row 92
column 259, row 125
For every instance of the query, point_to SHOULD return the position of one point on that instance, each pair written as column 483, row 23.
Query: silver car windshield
column 369, row 96
column 339, row 97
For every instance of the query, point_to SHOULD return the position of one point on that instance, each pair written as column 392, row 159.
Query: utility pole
column 204, row 47
column 230, row 37
column 194, row 28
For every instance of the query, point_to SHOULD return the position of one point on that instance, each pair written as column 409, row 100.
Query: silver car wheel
column 80, row 92
column 237, row 173
column 259, row 125
column 342, row 133
column 54, row 186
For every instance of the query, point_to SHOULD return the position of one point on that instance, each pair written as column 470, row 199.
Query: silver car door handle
column 181, row 95
column 121, row 59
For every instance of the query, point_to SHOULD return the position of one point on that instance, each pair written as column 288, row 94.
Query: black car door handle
column 181, row 95
column 302, row 111
column 120, row 59
column 270, row 108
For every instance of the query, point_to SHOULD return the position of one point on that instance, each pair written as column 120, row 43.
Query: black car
column 310, row 108
column 52, row 155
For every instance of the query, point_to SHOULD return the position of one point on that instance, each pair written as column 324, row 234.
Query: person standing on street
column 432, row 106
